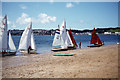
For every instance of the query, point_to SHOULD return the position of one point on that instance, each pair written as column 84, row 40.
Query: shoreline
column 99, row 62
column 46, row 52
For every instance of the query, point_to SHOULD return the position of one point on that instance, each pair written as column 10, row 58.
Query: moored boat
column 6, row 47
column 64, row 39
column 27, row 43
column 95, row 40
column 60, row 38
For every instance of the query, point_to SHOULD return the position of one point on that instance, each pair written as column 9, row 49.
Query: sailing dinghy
column 27, row 40
column 6, row 47
column 60, row 38
column 95, row 40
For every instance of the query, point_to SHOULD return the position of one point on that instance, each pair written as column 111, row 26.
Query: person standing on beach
column 29, row 48
column 102, row 42
column 79, row 44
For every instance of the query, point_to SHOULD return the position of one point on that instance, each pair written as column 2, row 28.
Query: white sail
column 4, row 34
column 11, row 43
column 63, row 34
column 32, row 42
column 1, row 32
column 57, row 40
column 25, row 40
column 68, row 40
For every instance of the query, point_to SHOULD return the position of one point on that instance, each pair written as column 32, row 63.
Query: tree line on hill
column 52, row 31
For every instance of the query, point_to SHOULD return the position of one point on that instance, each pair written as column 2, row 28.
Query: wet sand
column 101, row 62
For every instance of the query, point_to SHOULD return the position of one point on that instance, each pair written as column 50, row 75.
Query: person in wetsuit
column 29, row 48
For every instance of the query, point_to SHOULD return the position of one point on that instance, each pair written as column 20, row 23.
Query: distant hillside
column 99, row 30
column 52, row 31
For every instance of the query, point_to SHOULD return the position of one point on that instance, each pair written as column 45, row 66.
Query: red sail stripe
column 58, row 29
column 4, row 19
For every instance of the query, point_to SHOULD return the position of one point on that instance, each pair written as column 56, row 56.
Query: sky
column 48, row 15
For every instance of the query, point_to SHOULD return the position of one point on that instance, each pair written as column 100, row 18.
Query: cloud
column 23, row 7
column 41, row 18
column 68, row 5
column 24, row 19
column 44, row 18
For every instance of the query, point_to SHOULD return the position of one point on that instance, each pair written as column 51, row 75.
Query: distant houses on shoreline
column 106, row 31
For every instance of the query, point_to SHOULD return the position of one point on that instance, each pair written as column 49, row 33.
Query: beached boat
column 6, row 47
column 27, row 41
column 60, row 38
column 64, row 39
column 95, row 40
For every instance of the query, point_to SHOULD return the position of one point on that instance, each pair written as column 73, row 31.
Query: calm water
column 44, row 42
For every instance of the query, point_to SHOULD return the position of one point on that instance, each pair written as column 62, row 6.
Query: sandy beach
column 99, row 62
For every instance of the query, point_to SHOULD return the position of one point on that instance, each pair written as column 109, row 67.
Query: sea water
column 44, row 42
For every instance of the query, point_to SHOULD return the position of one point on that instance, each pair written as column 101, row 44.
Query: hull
column 59, row 49
column 33, row 52
column 23, row 51
column 26, row 52
column 94, row 45
column 9, row 53
column 71, row 48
